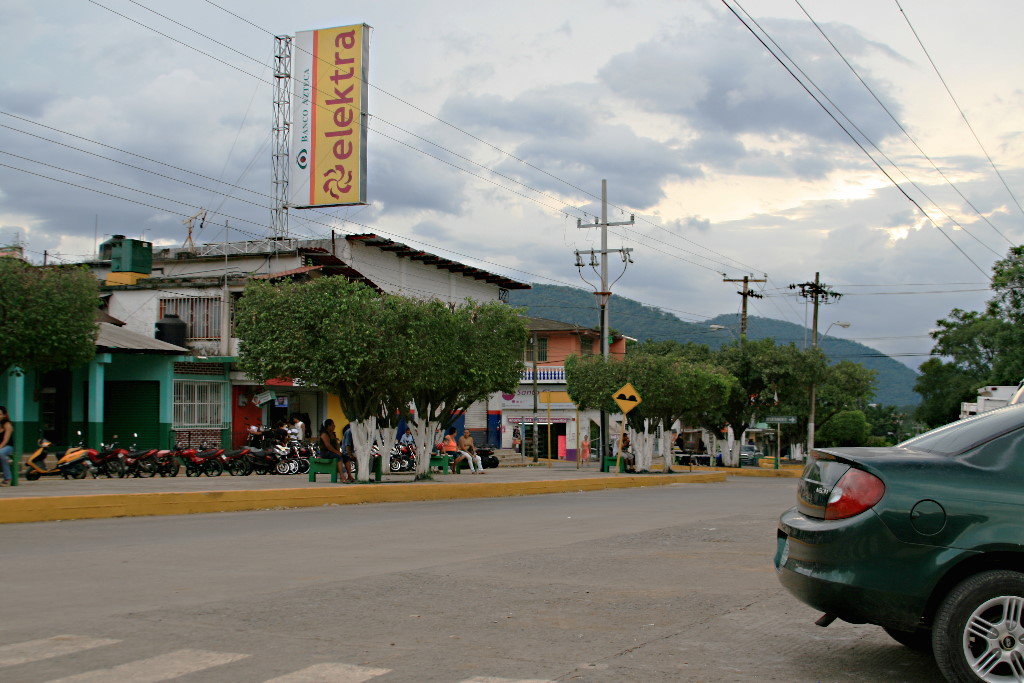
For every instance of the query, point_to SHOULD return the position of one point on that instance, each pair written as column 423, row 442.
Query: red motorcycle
column 199, row 462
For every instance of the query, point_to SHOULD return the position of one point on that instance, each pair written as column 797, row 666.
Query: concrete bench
column 442, row 460
column 608, row 464
column 323, row 466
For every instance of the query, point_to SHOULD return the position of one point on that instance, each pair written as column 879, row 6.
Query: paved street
column 669, row 583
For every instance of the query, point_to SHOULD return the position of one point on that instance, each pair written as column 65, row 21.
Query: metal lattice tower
column 281, row 133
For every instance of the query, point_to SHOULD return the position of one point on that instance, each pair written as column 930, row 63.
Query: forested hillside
column 895, row 381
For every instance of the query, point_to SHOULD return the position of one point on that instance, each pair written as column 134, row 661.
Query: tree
column 846, row 386
column 670, row 389
column 49, row 316
column 769, row 378
column 977, row 348
column 331, row 333
column 380, row 354
column 846, row 428
column 453, row 357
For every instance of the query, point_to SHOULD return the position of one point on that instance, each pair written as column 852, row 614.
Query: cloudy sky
column 491, row 131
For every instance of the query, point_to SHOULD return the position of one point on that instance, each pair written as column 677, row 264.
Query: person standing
column 585, row 449
column 6, row 445
column 299, row 427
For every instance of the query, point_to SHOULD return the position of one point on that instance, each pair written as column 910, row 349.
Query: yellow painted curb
column 52, row 508
column 784, row 472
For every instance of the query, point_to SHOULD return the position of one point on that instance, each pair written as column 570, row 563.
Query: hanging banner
column 328, row 147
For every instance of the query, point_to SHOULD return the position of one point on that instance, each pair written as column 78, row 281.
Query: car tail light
column 854, row 493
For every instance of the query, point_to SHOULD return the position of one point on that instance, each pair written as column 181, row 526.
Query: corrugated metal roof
column 114, row 338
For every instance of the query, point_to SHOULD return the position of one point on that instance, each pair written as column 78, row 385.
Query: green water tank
column 131, row 256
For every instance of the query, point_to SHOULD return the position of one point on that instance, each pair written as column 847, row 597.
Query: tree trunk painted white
column 666, row 450
column 363, row 433
column 423, row 433
column 643, row 445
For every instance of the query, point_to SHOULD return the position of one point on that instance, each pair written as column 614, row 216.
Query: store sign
column 264, row 397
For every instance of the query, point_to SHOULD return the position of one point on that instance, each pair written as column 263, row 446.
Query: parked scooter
column 74, row 464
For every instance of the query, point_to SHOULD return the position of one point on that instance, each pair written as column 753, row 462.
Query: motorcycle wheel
column 192, row 471
column 303, row 465
column 237, row 468
column 283, row 467
column 115, row 468
column 79, row 472
column 147, row 468
column 212, row 468
column 170, row 467
column 262, row 469
column 397, row 465
column 293, row 466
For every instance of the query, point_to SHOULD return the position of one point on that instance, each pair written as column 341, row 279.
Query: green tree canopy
column 846, row 428
column 379, row 354
column 976, row 347
column 49, row 316
column 670, row 388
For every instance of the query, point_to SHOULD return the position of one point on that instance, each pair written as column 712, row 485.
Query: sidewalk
column 53, row 498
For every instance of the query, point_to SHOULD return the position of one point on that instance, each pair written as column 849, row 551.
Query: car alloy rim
column 994, row 639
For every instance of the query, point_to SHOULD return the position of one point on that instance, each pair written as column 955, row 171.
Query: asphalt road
column 669, row 583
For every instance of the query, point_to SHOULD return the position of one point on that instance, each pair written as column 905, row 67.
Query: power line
column 898, row 124
column 958, row 107
column 833, row 117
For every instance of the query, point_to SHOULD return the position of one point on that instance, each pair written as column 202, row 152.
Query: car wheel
column 920, row 640
column 977, row 634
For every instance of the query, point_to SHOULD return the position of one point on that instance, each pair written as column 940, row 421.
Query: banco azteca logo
column 302, row 159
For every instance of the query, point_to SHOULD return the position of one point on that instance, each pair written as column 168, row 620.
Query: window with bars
column 198, row 404
column 201, row 314
column 542, row 350
column 586, row 346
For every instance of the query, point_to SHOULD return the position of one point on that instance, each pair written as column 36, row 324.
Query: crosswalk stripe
column 330, row 672
column 488, row 679
column 44, row 648
column 154, row 669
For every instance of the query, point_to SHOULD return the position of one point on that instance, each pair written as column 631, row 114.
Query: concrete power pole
column 603, row 295
column 746, row 293
column 818, row 294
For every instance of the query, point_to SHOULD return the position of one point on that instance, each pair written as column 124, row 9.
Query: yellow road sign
column 627, row 398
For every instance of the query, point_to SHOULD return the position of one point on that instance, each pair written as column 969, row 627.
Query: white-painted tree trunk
column 643, row 448
column 666, row 450
column 423, row 433
column 363, row 433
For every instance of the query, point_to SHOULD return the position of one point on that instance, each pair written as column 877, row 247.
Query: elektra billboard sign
column 328, row 148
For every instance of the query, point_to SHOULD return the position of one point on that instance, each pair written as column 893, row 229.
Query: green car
column 925, row 539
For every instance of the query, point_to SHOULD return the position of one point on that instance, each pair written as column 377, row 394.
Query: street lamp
column 814, row 397
column 841, row 323
column 716, row 328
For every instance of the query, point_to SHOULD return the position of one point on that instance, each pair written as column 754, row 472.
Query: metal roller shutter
column 476, row 416
column 131, row 407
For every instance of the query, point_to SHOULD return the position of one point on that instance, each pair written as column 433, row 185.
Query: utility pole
column 818, row 294
column 746, row 293
column 601, row 257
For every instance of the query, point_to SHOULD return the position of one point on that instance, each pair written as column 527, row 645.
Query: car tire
column 977, row 628
column 920, row 640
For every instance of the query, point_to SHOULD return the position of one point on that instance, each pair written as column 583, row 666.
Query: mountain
column 894, row 382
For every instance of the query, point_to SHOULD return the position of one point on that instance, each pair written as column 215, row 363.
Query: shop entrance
column 557, row 430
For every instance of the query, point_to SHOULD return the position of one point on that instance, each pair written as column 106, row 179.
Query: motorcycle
column 140, row 462
column 72, row 465
column 167, row 462
column 199, row 462
column 235, row 462
column 487, row 456
column 107, row 462
column 403, row 457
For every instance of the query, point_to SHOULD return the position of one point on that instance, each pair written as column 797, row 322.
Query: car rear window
column 963, row 435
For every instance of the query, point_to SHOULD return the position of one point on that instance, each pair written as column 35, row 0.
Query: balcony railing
column 545, row 373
